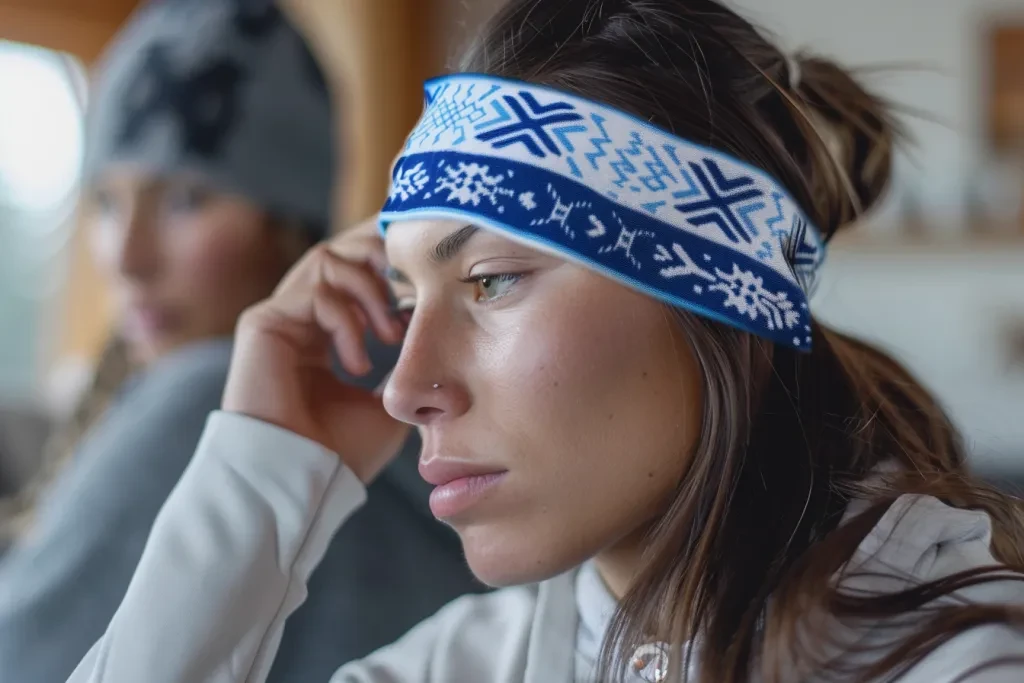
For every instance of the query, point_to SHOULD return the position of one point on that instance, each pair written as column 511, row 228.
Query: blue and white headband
column 688, row 225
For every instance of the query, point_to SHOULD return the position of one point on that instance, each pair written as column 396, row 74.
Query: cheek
column 228, row 260
column 599, row 376
column 104, row 245
column 208, row 255
column 595, row 401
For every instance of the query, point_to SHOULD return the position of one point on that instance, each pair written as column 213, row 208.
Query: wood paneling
column 1006, row 95
column 86, row 312
column 377, row 54
column 1006, row 102
column 78, row 27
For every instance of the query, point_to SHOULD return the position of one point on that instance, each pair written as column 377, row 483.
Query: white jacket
column 231, row 551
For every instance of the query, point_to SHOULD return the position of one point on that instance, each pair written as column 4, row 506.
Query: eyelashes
column 492, row 286
column 488, row 288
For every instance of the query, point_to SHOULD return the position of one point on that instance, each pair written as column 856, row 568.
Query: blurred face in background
column 183, row 260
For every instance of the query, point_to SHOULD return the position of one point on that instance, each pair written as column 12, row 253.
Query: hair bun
column 856, row 135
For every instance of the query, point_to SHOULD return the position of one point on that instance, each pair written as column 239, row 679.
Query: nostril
column 427, row 412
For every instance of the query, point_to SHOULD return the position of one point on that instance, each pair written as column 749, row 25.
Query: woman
column 209, row 173
column 600, row 237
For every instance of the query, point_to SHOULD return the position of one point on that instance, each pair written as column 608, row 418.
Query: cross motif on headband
column 528, row 127
column 720, row 195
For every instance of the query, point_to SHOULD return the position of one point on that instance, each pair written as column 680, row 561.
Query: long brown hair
column 747, row 552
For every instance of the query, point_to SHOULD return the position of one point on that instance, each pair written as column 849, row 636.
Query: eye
column 105, row 202
column 488, row 287
column 186, row 198
column 494, row 286
column 404, row 312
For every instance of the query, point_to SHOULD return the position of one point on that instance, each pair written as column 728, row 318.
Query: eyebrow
column 449, row 247
column 444, row 251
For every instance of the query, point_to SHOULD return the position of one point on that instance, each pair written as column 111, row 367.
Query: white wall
column 946, row 315
column 941, row 44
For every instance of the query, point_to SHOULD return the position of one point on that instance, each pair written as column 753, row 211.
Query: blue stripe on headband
column 688, row 225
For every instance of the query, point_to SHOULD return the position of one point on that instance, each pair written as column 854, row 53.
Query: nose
column 427, row 386
column 135, row 248
column 124, row 240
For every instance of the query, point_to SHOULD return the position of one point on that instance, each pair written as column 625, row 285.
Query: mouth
column 459, row 486
column 148, row 321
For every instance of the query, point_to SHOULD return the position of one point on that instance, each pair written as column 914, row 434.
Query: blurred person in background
column 209, row 171
column 631, row 415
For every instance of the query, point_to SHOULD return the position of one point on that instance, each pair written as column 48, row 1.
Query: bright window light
column 41, row 128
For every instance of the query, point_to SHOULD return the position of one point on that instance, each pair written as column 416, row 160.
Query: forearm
column 228, row 559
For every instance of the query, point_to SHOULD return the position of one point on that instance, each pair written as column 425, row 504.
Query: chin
column 500, row 556
column 144, row 349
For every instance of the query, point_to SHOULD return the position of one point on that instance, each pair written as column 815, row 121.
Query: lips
column 148, row 319
column 460, row 487
column 440, row 472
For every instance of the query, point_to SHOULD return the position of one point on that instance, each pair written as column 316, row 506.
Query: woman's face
column 183, row 261
column 565, row 408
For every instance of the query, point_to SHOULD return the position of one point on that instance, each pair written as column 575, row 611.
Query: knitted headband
column 225, row 89
column 688, row 225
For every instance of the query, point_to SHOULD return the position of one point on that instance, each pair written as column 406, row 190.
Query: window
column 41, row 147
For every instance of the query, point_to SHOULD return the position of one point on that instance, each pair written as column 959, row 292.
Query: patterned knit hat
column 226, row 89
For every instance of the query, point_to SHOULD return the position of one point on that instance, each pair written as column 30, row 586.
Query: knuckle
column 254, row 317
column 323, row 291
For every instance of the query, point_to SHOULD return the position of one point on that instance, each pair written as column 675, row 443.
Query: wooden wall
column 376, row 54
column 80, row 27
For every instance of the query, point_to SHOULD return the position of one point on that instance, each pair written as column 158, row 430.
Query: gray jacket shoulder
column 148, row 435
column 63, row 582
column 143, row 443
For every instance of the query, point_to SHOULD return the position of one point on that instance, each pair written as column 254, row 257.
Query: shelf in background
column 870, row 243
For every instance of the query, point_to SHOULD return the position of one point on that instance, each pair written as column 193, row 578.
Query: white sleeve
column 227, row 560
column 984, row 654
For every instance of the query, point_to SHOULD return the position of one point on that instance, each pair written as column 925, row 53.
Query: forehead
column 445, row 235
column 438, row 241
column 135, row 178
column 406, row 231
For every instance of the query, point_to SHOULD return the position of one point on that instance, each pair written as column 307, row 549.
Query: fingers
column 368, row 226
column 379, row 391
column 340, row 320
column 328, row 296
column 369, row 290
column 361, row 242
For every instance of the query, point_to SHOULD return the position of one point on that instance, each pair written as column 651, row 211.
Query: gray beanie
column 226, row 89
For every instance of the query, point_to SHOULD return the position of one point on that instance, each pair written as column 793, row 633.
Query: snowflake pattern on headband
column 688, row 225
